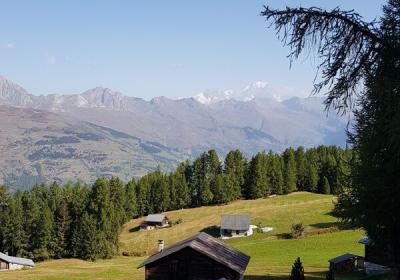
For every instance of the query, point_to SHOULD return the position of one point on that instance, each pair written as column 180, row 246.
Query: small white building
column 13, row 263
column 235, row 226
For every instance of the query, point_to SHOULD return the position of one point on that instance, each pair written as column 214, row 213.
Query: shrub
column 297, row 230
column 297, row 271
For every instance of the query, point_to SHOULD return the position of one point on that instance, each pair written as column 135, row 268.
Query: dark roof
column 209, row 246
column 343, row 258
column 155, row 218
column 235, row 222
column 15, row 260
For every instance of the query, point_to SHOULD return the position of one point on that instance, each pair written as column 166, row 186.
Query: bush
column 297, row 271
column 297, row 230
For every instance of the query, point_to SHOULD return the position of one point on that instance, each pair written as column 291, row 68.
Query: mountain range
column 101, row 132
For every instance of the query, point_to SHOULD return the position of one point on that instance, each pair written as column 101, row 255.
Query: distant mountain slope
column 40, row 146
column 252, row 120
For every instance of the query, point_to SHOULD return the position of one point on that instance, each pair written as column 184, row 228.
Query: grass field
column 271, row 255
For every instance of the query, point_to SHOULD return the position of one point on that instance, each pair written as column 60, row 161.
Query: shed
column 198, row 257
column 12, row 263
column 153, row 221
column 346, row 263
column 235, row 226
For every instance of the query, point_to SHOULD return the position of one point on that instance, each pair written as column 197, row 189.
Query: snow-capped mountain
column 251, row 119
column 257, row 89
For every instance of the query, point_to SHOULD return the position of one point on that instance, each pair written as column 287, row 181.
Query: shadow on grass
column 212, row 230
column 309, row 275
column 134, row 229
column 338, row 225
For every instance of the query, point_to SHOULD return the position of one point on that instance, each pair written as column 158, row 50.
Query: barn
column 12, row 263
column 198, row 257
column 235, row 226
column 153, row 221
column 346, row 263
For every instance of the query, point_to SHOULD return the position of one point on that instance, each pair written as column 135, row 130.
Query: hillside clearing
column 271, row 255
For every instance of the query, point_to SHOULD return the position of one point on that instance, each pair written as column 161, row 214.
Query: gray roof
column 15, row 260
column 343, row 258
column 235, row 222
column 209, row 246
column 155, row 218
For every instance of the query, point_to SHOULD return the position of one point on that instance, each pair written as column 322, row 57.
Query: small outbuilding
column 346, row 263
column 153, row 221
column 235, row 226
column 198, row 257
column 13, row 263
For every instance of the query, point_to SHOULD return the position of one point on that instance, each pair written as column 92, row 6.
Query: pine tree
column 297, row 271
column 143, row 195
column 14, row 237
column 289, row 171
column 130, row 200
column 300, row 169
column 90, row 248
column 257, row 182
column 182, row 199
column 61, row 220
column 325, row 187
column 160, row 199
column 360, row 61
column 218, row 188
column 235, row 168
column 274, row 173
column 101, row 209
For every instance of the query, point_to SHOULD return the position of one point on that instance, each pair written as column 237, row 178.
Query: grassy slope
column 270, row 255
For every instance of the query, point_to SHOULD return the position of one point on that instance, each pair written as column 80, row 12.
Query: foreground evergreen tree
column 359, row 59
column 297, row 272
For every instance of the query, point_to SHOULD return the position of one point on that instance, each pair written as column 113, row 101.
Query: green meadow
column 272, row 254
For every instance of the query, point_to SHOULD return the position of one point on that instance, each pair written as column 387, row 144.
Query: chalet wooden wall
column 188, row 264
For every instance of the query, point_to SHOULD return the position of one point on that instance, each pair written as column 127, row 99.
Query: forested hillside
column 83, row 221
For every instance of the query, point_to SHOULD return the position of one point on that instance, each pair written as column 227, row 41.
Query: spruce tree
column 297, row 271
column 289, row 171
column 235, row 168
column 325, row 187
column 130, row 200
column 360, row 61
column 181, row 186
column 256, row 178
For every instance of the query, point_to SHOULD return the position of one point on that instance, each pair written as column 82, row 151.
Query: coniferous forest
column 82, row 221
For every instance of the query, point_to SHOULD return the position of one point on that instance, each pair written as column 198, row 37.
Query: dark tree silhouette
column 348, row 47
column 360, row 61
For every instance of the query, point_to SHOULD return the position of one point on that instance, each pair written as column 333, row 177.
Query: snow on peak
column 257, row 89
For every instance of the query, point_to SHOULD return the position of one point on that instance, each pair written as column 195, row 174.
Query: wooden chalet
column 346, row 263
column 235, row 226
column 198, row 257
column 12, row 263
column 153, row 221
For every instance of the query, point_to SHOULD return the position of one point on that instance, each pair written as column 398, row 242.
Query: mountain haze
column 161, row 131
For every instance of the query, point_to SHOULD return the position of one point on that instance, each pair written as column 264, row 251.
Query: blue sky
column 151, row 48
